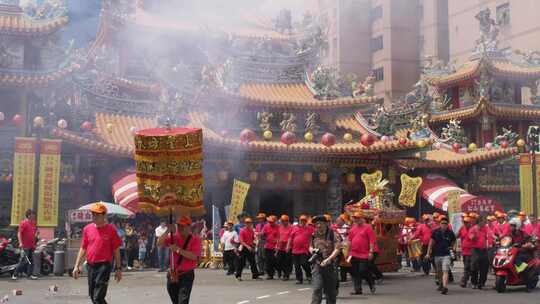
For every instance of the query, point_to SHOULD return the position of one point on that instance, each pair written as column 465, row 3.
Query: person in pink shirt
column 299, row 243
column 502, row 228
column 270, row 234
column 479, row 235
column 259, row 248
column 27, row 235
column 283, row 254
column 466, row 247
column 529, row 227
column 247, row 250
column 423, row 233
column 362, row 247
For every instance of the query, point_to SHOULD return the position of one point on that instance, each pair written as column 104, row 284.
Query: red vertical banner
column 49, row 183
column 24, row 168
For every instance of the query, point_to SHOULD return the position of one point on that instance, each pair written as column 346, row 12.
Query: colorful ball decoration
column 39, row 122
column 86, row 126
column 17, row 120
column 247, row 136
column 385, row 138
column 421, row 144
column 488, row 146
column 347, row 137
column 288, row 138
column 367, row 140
column 308, row 137
column 472, row 147
column 109, row 127
column 403, row 141
column 328, row 139
column 504, row 144
column 456, row 147
column 520, row 143
column 62, row 124
column 2, row 116
column 267, row 135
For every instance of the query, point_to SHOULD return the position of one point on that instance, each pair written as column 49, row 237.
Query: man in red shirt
column 299, row 242
column 270, row 235
column 100, row 242
column 259, row 248
column 247, row 250
column 186, row 250
column 466, row 243
column 502, row 228
column 423, row 233
column 362, row 247
column 284, row 258
column 479, row 255
column 27, row 235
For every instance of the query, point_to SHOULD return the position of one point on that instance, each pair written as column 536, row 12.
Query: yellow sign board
column 409, row 189
column 24, row 167
column 453, row 201
column 49, row 181
column 371, row 181
column 238, row 198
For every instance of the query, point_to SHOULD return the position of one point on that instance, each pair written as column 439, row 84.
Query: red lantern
column 504, row 144
column 17, row 120
column 288, row 138
column 403, row 141
column 456, row 147
column 367, row 140
column 247, row 136
column 328, row 139
column 86, row 126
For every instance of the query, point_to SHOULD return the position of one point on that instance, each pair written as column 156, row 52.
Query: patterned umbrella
column 112, row 209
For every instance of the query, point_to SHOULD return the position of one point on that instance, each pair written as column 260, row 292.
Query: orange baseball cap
column 248, row 220
column 303, row 217
column 345, row 217
column 467, row 219
column 98, row 208
column 491, row 218
column 261, row 215
column 358, row 214
column 522, row 214
column 501, row 215
column 284, row 218
column 271, row 219
column 474, row 215
column 425, row 217
column 184, row 221
column 436, row 214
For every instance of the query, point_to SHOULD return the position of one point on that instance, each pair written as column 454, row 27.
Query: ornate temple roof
column 13, row 78
column 38, row 20
column 444, row 158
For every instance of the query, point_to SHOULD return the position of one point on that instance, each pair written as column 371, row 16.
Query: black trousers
column 324, row 279
column 372, row 266
column 479, row 266
column 250, row 257
column 360, row 270
column 25, row 263
column 230, row 260
column 301, row 262
column 467, row 270
column 284, row 263
column 98, row 281
column 132, row 255
column 180, row 291
column 259, row 256
column 270, row 261
column 426, row 264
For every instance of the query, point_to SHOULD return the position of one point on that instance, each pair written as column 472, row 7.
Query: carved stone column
column 334, row 195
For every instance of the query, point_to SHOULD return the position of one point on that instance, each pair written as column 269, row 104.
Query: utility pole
column 533, row 138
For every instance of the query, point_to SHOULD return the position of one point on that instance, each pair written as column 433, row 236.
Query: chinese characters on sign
column 80, row 216
column 409, row 189
column 239, row 193
column 49, row 178
column 24, row 165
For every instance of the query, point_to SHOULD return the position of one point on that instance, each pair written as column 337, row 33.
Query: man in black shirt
column 440, row 247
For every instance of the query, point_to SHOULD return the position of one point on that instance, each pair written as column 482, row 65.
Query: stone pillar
column 334, row 195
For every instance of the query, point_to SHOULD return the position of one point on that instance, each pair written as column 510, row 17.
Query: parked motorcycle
column 505, row 268
column 9, row 256
column 46, row 249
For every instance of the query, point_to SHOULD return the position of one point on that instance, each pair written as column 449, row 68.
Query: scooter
column 9, row 256
column 46, row 249
column 505, row 268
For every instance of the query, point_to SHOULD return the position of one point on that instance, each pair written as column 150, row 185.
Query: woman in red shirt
column 362, row 246
column 186, row 250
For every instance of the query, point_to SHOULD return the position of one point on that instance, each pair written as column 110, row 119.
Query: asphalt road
column 212, row 286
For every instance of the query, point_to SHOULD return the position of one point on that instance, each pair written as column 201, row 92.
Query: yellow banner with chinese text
column 238, row 198
column 24, row 167
column 525, row 183
column 409, row 189
column 371, row 181
column 49, row 183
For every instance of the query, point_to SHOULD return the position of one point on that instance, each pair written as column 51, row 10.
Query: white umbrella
column 112, row 209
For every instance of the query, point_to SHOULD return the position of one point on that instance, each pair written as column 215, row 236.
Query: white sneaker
column 14, row 277
column 129, row 268
column 33, row 277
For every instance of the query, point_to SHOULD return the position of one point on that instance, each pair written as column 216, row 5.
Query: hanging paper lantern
column 367, row 140
column 109, row 127
column 253, row 175
column 456, row 147
column 38, row 122
column 247, row 136
column 421, row 144
column 308, row 137
column 288, row 138
column 504, row 144
column 2, row 116
column 323, row 177
column 488, row 146
column 270, row 176
column 17, row 120
column 86, row 126
column 472, row 147
column 385, row 138
column 308, row 177
column 348, row 137
column 403, row 141
column 351, row 178
column 520, row 143
column 328, row 139
column 267, row 135
column 62, row 124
